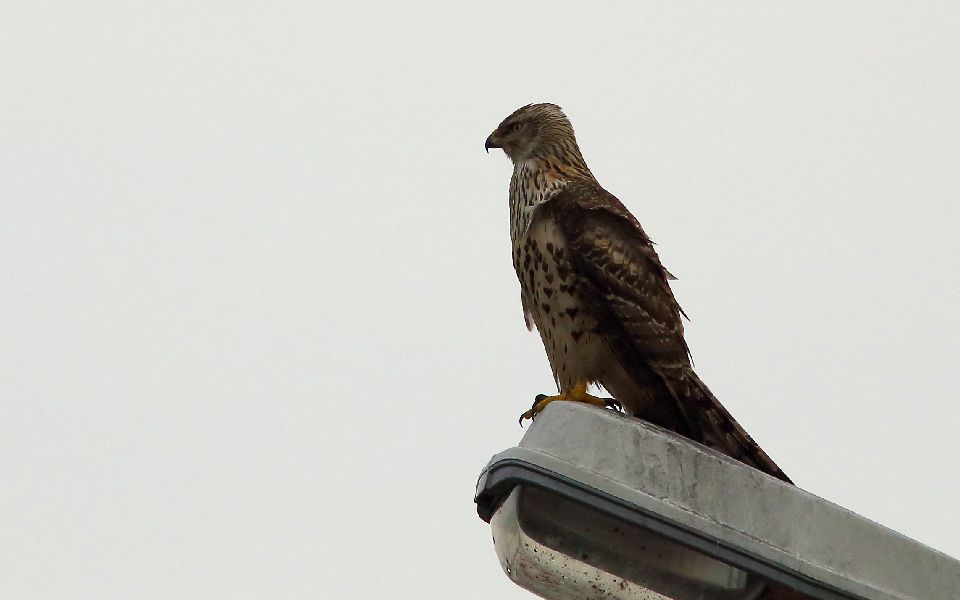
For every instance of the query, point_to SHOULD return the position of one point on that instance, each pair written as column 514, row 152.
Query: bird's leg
column 577, row 394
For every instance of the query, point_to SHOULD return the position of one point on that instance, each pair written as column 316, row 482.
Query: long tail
column 712, row 425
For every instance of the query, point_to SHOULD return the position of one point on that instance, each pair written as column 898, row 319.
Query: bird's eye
column 516, row 127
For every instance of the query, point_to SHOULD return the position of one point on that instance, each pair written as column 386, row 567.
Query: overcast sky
column 260, row 330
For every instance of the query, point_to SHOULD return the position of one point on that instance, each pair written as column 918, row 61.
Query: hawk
column 593, row 285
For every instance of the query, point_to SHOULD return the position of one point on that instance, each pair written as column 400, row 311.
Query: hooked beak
column 491, row 143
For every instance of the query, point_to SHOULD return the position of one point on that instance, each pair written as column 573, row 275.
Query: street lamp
column 594, row 504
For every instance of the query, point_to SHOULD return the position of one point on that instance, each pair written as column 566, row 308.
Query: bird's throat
column 534, row 182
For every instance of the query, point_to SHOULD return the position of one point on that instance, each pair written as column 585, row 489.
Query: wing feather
column 620, row 264
column 620, row 275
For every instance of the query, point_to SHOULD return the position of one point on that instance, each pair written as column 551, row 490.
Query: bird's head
column 534, row 130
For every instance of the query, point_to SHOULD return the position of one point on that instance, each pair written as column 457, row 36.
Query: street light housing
column 595, row 504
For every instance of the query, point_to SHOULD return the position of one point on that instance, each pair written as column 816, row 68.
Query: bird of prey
column 593, row 285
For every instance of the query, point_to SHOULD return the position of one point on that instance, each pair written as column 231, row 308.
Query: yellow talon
column 577, row 394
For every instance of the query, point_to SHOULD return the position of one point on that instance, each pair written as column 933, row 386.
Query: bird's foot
column 577, row 394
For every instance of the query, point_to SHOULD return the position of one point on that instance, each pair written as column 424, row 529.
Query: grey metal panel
column 704, row 491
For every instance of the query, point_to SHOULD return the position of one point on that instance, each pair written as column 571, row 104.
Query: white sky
column 260, row 331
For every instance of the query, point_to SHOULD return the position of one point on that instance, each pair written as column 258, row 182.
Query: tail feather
column 712, row 425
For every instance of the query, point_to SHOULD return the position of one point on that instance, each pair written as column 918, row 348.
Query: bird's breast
column 554, row 300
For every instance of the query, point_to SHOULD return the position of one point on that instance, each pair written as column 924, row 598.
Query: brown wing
column 616, row 257
column 621, row 277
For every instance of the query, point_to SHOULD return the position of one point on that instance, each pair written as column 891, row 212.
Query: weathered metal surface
column 694, row 490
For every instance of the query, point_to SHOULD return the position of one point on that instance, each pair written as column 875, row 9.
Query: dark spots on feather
column 546, row 307
column 549, row 276
column 548, row 291
column 553, row 321
column 572, row 312
column 550, row 247
column 576, row 335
